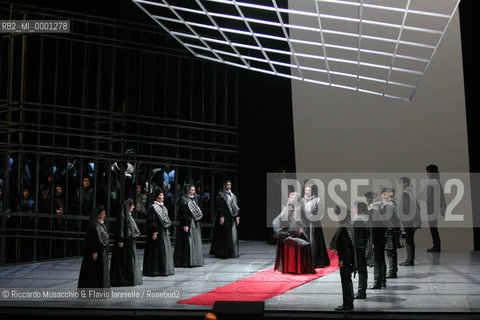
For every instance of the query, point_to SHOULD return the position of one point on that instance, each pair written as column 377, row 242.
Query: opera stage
column 440, row 285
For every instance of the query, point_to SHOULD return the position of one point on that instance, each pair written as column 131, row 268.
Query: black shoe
column 433, row 249
column 383, row 284
column 344, row 308
column 360, row 296
column 375, row 285
column 407, row 263
column 391, row 275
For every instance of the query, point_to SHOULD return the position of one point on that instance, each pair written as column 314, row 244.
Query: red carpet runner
column 261, row 286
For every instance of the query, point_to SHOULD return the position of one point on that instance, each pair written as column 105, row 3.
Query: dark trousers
column 434, row 233
column 392, row 261
column 392, row 254
column 347, row 285
column 379, row 269
column 362, row 270
column 410, row 243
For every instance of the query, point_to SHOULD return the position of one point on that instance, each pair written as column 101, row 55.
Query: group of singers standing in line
column 370, row 237
column 158, row 257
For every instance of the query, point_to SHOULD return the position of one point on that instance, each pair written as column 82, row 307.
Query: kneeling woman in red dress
column 294, row 253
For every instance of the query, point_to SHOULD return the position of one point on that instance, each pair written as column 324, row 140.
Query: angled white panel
column 381, row 47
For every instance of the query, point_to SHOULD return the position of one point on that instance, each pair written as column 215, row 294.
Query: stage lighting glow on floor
column 381, row 47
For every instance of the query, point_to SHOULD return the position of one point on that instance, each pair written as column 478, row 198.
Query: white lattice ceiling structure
column 381, row 47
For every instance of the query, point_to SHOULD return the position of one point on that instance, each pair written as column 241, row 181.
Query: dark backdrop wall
column 471, row 68
column 266, row 144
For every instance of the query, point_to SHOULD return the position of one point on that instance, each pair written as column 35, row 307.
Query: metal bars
column 318, row 41
column 71, row 105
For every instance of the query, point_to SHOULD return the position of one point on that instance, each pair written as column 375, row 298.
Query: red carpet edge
column 261, row 286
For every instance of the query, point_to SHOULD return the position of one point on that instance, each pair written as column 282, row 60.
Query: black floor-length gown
column 124, row 266
column 225, row 236
column 188, row 246
column 319, row 247
column 94, row 274
column 158, row 256
column 311, row 210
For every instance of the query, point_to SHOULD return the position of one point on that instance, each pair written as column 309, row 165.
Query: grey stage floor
column 439, row 282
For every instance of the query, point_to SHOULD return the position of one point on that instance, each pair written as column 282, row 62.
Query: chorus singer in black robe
column 125, row 269
column 294, row 253
column 225, row 235
column 94, row 270
column 313, row 210
column 158, row 257
column 188, row 245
